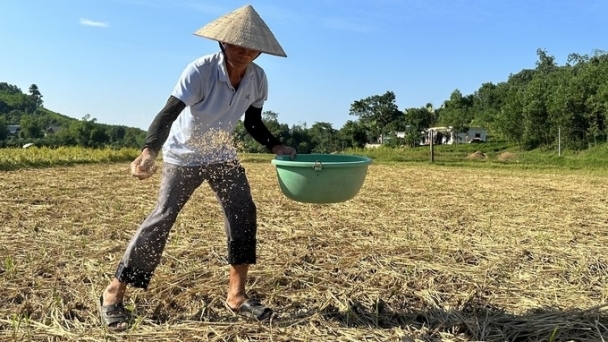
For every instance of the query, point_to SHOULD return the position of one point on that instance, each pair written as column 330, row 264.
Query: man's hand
column 143, row 166
column 284, row 150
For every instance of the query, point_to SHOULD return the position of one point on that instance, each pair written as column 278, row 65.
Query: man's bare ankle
column 111, row 296
column 236, row 300
column 114, row 293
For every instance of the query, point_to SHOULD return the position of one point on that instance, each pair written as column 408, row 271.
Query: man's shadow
column 474, row 321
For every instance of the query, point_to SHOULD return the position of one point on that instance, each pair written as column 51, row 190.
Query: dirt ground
column 423, row 253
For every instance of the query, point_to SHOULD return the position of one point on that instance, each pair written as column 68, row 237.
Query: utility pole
column 559, row 141
column 432, row 146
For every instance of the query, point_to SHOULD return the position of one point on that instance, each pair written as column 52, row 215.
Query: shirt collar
column 223, row 72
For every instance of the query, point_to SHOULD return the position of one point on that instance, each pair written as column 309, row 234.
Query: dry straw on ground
column 506, row 156
column 477, row 155
column 423, row 253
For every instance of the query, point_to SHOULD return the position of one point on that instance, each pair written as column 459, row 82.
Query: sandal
column 112, row 315
column 252, row 308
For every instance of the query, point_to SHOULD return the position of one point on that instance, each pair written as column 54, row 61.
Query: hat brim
column 243, row 27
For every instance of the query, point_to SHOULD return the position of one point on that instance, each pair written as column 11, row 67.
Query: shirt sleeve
column 262, row 92
column 160, row 127
column 189, row 87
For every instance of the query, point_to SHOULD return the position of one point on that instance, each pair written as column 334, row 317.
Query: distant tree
column 279, row 130
column 82, row 131
column 418, row 120
column 116, row 134
column 458, row 111
column 376, row 112
column 36, row 95
column 98, row 137
column 510, row 120
column 3, row 129
column 545, row 63
column 353, row 134
column 9, row 89
column 323, row 137
column 134, row 137
column 487, row 103
column 270, row 116
column 299, row 138
column 31, row 128
column 62, row 138
column 14, row 117
column 87, row 118
column 4, row 108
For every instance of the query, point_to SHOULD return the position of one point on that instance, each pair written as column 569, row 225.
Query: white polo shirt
column 202, row 133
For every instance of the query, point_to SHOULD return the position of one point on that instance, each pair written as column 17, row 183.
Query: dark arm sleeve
column 255, row 127
column 160, row 127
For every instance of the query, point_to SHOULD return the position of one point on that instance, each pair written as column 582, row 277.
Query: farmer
column 193, row 130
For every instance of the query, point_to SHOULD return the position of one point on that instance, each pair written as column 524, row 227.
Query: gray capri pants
column 230, row 184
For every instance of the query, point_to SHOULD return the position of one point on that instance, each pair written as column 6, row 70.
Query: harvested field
column 423, row 253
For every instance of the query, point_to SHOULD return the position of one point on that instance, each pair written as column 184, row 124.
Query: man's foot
column 111, row 309
column 252, row 308
column 114, row 316
column 235, row 301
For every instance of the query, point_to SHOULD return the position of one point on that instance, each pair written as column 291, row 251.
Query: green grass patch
column 488, row 155
column 492, row 155
column 18, row 158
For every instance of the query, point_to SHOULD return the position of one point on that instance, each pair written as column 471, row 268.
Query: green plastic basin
column 321, row 178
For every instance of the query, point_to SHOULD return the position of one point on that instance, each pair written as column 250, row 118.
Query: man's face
column 239, row 57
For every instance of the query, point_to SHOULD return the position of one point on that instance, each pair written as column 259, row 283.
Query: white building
column 447, row 135
column 13, row 129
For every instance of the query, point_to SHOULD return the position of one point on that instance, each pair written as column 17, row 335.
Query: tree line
column 44, row 127
column 535, row 107
column 532, row 108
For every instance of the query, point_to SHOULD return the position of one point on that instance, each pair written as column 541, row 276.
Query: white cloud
column 88, row 22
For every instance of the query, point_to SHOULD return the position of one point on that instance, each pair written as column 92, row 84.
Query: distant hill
column 24, row 119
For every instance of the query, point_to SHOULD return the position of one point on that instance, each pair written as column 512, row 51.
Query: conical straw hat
column 244, row 28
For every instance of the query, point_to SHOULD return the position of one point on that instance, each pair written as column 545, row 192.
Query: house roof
column 449, row 128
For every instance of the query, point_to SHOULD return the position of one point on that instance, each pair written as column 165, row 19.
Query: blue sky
column 118, row 60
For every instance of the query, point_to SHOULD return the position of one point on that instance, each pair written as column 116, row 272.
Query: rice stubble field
column 423, row 253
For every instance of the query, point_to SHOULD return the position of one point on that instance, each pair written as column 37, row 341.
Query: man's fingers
column 143, row 168
column 148, row 161
column 287, row 151
column 146, row 169
column 135, row 165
